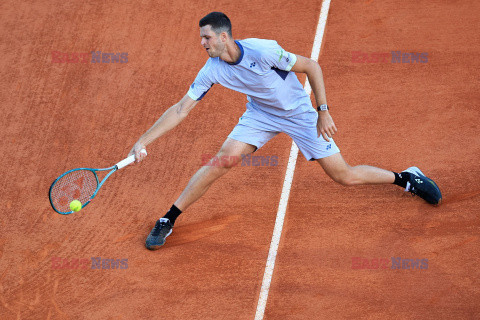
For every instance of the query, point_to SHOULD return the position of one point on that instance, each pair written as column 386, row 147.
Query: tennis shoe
column 422, row 186
column 156, row 238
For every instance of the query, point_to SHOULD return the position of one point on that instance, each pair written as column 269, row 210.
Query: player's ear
column 223, row 36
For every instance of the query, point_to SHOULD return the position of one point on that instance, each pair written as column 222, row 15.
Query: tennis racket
column 80, row 184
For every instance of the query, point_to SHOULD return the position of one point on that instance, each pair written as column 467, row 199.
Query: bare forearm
column 169, row 120
column 315, row 78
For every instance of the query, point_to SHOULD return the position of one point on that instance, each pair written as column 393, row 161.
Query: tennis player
column 277, row 102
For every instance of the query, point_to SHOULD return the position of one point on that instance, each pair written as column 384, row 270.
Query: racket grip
column 129, row 160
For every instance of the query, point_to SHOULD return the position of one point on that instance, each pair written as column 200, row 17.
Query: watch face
column 323, row 107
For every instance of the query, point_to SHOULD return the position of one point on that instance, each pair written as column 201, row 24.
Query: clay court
column 339, row 246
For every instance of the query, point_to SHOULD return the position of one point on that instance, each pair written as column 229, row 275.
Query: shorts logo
column 329, row 147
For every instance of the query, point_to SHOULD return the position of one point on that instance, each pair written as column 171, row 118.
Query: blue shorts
column 256, row 127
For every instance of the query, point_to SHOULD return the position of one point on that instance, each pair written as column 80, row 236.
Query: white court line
column 287, row 183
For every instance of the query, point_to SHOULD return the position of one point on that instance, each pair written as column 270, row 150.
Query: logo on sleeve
column 280, row 54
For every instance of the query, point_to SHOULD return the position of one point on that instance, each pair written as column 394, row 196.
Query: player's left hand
column 325, row 125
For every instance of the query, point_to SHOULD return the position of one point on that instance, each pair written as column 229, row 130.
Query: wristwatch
column 322, row 107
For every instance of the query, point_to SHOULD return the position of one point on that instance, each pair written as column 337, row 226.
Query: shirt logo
column 252, row 64
column 193, row 85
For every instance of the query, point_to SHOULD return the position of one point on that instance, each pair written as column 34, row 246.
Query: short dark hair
column 218, row 21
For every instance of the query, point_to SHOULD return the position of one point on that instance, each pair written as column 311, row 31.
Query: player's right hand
column 137, row 151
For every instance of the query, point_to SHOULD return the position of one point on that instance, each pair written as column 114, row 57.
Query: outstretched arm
column 169, row 120
column 325, row 125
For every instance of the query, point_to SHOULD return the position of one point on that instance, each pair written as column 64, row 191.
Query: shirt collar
column 241, row 54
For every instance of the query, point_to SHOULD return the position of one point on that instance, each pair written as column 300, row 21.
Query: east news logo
column 394, row 263
column 92, row 57
column 92, row 263
column 389, row 57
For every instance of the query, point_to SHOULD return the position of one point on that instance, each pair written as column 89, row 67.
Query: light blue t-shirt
column 262, row 73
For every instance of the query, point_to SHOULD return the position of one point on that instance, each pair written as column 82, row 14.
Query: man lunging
column 277, row 102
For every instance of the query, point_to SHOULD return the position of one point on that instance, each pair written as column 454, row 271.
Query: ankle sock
column 401, row 179
column 172, row 214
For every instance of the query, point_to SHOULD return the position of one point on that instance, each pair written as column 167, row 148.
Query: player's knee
column 347, row 181
column 345, row 178
column 226, row 160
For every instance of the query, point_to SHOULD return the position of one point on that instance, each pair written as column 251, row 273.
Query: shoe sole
column 156, row 247
column 418, row 172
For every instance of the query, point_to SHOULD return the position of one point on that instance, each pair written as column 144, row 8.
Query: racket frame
column 121, row 164
column 99, row 184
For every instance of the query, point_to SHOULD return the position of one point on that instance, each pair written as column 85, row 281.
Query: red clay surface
column 58, row 116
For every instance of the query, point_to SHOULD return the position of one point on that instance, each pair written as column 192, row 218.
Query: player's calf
column 337, row 169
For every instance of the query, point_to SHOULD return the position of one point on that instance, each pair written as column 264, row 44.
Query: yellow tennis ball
column 75, row 205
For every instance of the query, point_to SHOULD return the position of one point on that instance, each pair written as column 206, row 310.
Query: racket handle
column 129, row 160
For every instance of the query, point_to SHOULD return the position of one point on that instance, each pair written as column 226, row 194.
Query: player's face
column 211, row 41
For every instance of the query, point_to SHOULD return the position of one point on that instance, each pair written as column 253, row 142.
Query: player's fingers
column 331, row 132
column 143, row 153
column 327, row 132
column 140, row 155
column 325, row 136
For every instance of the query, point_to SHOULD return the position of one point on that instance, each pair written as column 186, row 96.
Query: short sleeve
column 278, row 58
column 202, row 83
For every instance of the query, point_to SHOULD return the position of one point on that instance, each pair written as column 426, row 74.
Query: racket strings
column 76, row 185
